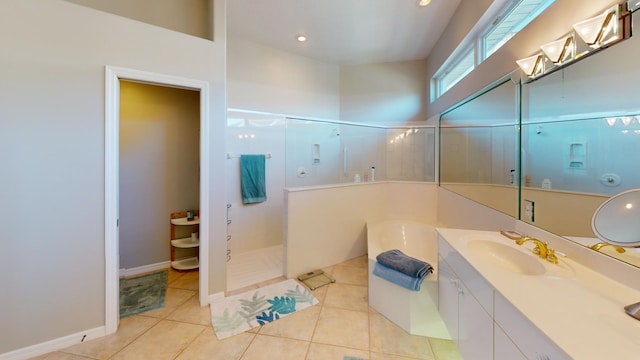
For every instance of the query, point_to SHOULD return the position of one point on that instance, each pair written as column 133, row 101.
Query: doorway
column 113, row 77
column 159, row 166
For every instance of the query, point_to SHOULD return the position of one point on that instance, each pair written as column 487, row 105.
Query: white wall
column 389, row 93
column 52, row 155
column 269, row 80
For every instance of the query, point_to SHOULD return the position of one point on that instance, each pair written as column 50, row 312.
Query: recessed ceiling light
column 424, row 2
column 301, row 38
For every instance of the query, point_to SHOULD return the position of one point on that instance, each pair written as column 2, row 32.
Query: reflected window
column 457, row 71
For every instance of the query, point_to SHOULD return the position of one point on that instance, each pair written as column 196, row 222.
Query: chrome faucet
column 599, row 246
column 542, row 249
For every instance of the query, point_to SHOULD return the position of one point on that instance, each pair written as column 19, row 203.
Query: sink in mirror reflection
column 514, row 259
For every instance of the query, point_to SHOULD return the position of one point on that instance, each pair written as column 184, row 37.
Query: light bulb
column 532, row 66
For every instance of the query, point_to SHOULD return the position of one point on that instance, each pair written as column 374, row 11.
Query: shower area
column 307, row 153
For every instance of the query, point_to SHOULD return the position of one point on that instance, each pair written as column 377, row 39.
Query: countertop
column 582, row 311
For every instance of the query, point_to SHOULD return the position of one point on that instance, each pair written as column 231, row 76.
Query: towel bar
column 229, row 156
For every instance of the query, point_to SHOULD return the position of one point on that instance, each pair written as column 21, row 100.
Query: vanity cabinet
column 504, row 348
column 466, row 305
column 483, row 324
column 531, row 342
column 448, row 293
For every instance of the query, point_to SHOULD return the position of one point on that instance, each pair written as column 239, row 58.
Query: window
column 457, row 71
column 491, row 32
column 513, row 19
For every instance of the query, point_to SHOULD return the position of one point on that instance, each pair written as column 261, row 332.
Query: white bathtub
column 414, row 311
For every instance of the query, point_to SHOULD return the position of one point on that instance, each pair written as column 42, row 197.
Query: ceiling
column 342, row 31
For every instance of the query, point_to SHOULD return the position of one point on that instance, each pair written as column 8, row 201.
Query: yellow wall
column 159, row 167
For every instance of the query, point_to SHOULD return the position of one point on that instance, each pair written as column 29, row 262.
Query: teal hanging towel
column 252, row 179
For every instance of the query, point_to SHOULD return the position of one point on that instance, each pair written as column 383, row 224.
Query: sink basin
column 507, row 257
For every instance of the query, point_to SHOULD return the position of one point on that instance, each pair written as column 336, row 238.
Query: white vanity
column 501, row 301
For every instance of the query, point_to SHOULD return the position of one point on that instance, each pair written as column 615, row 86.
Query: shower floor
column 254, row 266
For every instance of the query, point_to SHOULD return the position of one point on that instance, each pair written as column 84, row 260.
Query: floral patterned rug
column 235, row 314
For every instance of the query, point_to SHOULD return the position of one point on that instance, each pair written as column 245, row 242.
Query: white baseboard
column 145, row 268
column 54, row 345
column 216, row 296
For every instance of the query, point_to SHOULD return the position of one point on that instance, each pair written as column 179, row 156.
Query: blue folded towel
column 398, row 278
column 397, row 260
column 252, row 180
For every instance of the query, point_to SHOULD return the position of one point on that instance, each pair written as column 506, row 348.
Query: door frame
column 113, row 75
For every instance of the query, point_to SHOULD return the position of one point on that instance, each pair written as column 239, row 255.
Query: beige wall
column 563, row 213
column 159, row 167
column 269, row 80
column 502, row 198
column 389, row 93
column 193, row 17
column 52, row 151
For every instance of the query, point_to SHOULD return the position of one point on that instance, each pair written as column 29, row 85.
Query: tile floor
column 342, row 325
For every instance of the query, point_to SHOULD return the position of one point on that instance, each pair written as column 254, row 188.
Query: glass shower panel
column 325, row 153
column 411, row 154
column 363, row 148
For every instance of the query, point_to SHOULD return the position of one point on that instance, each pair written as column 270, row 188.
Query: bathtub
column 414, row 311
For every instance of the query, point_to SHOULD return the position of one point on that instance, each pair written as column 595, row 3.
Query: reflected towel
column 397, row 260
column 396, row 277
column 252, row 179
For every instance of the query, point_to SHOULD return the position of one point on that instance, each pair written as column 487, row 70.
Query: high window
column 488, row 35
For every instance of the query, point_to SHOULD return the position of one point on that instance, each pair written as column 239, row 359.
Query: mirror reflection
column 616, row 220
column 580, row 134
column 478, row 147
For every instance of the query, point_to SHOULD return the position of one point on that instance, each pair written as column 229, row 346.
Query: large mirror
column 580, row 139
column 478, row 147
column 580, row 142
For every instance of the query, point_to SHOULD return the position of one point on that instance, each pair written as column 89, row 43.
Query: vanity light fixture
column 533, row 65
column 596, row 33
column 424, row 2
column 301, row 38
column 561, row 50
column 600, row 30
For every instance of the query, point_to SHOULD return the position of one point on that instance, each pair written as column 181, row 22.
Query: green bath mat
column 142, row 293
